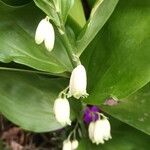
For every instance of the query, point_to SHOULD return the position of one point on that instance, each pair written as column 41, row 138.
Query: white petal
column 107, row 129
column 62, row 111
column 99, row 132
column 40, row 31
column 66, row 145
column 78, row 82
column 91, row 131
column 49, row 38
column 74, row 144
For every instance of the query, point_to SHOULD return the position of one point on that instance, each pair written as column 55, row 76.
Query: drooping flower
column 67, row 145
column 45, row 33
column 78, row 82
column 62, row 111
column 100, row 131
column 74, row 144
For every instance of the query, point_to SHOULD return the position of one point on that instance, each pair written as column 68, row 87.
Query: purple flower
column 90, row 114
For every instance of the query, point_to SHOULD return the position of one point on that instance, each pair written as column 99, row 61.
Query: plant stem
column 69, row 49
column 73, row 132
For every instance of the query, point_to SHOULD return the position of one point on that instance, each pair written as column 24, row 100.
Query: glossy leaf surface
column 99, row 15
column 27, row 99
column 17, row 41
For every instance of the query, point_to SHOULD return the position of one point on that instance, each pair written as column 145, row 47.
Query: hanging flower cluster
column 78, row 80
column 77, row 89
column 99, row 126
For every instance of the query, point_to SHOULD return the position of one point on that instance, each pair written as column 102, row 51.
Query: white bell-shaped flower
column 78, row 82
column 62, row 111
column 67, row 145
column 45, row 33
column 100, row 131
column 74, row 144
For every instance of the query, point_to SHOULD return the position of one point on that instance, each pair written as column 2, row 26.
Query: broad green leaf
column 118, row 60
column 134, row 110
column 123, row 138
column 17, row 28
column 99, row 15
column 27, row 99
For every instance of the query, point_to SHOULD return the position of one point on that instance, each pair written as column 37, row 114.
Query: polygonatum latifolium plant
column 69, row 64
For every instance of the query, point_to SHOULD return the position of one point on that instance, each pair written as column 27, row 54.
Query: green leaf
column 66, row 6
column 75, row 21
column 27, row 99
column 99, row 15
column 118, row 60
column 49, row 9
column 16, row 2
column 77, row 16
column 134, row 110
column 17, row 30
column 55, row 8
column 118, row 63
column 124, row 137
column 10, row 67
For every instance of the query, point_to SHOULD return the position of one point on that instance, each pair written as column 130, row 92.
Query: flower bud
column 78, row 82
column 62, row 111
column 99, row 131
column 67, row 145
column 45, row 33
column 74, row 144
